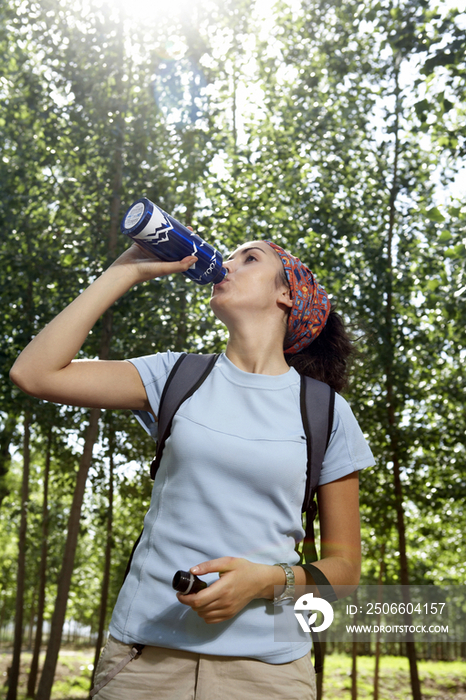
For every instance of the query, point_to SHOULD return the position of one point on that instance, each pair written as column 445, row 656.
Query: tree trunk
column 320, row 676
column 58, row 619
column 32, row 615
column 6, row 437
column 2, row 617
column 64, row 580
column 354, row 655
column 390, row 396
column 18, row 638
column 377, row 640
column 108, row 556
column 32, row 679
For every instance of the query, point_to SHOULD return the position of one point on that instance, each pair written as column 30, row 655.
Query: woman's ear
column 285, row 297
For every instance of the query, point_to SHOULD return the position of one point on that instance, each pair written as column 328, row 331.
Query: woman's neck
column 256, row 356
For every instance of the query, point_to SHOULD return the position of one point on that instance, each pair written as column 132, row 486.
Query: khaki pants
column 170, row 674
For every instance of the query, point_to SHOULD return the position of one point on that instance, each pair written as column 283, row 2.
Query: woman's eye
column 251, row 257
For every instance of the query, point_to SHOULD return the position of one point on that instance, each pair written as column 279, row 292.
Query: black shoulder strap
column 323, row 584
column 327, row 593
column 317, row 407
column 185, row 378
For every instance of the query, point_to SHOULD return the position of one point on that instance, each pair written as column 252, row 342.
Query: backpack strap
column 327, row 593
column 324, row 586
column 186, row 376
column 317, row 403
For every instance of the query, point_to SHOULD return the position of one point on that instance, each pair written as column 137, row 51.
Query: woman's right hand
column 141, row 266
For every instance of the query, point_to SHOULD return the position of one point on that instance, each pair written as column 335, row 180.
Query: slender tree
column 64, row 580
column 377, row 641
column 389, row 384
column 32, row 678
column 108, row 553
column 13, row 676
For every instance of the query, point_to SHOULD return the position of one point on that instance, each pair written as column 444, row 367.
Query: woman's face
column 254, row 282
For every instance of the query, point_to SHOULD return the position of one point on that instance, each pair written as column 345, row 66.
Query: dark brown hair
column 328, row 357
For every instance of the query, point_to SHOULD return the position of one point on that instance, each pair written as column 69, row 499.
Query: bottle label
column 134, row 215
column 157, row 228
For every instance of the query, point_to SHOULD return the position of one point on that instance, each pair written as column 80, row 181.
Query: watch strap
column 288, row 593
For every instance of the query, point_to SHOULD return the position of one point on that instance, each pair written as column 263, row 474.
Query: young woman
column 227, row 498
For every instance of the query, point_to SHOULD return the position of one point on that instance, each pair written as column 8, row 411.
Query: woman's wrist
column 125, row 276
column 273, row 581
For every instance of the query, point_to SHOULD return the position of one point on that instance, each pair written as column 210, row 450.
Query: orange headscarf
column 311, row 305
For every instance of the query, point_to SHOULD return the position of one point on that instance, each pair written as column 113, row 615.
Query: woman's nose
column 229, row 265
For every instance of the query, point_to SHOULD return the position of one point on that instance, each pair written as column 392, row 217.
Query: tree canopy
column 334, row 128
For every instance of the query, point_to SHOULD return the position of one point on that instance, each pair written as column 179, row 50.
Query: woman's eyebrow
column 246, row 250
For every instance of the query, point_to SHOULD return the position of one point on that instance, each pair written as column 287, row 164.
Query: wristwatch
column 288, row 593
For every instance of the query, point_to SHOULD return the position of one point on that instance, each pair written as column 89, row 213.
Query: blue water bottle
column 160, row 234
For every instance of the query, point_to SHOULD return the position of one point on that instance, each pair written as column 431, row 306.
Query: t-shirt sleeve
column 154, row 371
column 348, row 450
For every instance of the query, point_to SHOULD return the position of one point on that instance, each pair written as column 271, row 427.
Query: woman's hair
column 328, row 357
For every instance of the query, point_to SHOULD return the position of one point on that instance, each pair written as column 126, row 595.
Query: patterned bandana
column 311, row 305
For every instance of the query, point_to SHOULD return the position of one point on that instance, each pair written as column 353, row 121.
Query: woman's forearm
column 339, row 572
column 45, row 368
column 59, row 342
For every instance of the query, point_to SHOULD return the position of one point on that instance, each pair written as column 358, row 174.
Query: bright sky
column 264, row 8
column 157, row 7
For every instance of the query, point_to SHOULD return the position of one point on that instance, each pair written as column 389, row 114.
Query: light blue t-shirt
column 230, row 483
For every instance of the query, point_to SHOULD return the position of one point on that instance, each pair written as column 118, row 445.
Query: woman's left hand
column 240, row 582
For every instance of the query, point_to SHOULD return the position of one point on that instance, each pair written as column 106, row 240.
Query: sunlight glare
column 151, row 9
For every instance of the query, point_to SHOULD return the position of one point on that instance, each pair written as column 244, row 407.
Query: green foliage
column 245, row 129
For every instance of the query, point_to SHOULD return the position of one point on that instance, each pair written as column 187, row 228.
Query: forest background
column 335, row 128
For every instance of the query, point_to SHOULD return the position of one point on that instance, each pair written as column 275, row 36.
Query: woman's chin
column 218, row 309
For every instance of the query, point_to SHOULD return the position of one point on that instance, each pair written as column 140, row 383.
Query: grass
column 72, row 677
column 440, row 680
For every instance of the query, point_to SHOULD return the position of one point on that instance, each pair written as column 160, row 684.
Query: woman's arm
column 46, row 368
column 340, row 534
column 242, row 581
